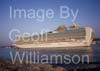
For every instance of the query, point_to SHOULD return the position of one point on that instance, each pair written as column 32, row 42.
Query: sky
column 88, row 15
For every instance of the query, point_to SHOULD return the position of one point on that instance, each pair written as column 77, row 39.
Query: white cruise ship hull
column 52, row 45
column 86, row 42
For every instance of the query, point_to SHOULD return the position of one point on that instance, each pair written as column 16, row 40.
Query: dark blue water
column 93, row 52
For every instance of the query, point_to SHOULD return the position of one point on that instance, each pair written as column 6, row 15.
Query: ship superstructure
column 63, row 36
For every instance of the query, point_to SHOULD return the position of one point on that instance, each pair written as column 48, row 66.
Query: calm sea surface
column 93, row 52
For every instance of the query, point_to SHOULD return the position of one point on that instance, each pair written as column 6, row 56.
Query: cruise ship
column 63, row 36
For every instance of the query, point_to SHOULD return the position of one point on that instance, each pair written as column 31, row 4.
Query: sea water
column 93, row 52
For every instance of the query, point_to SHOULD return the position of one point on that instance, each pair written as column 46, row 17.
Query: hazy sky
column 88, row 15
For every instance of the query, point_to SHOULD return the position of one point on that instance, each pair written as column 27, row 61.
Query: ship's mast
column 74, row 24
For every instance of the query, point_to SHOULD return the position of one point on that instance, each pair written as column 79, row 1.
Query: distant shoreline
column 96, row 41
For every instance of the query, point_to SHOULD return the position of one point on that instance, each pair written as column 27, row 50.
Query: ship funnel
column 61, row 28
